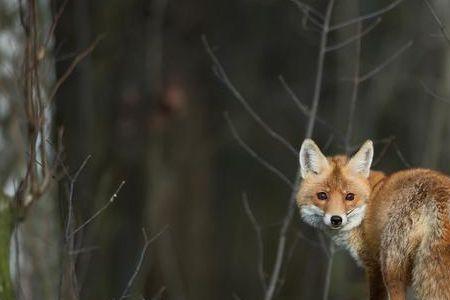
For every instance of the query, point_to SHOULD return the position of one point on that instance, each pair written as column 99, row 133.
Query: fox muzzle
column 335, row 221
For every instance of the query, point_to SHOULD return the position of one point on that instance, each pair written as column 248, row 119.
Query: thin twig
column 68, row 240
column 309, row 8
column 289, row 256
column 72, row 180
column 328, row 143
column 73, row 65
column 222, row 75
column 433, row 94
column 356, row 37
column 308, row 16
column 383, row 151
column 385, row 140
column 252, row 153
column 302, row 107
column 305, row 110
column 381, row 66
column 140, row 261
column 55, row 22
column 355, row 90
column 311, row 242
column 367, row 16
column 438, row 21
column 326, row 288
column 281, row 247
column 401, row 156
column 101, row 210
column 83, row 250
column 388, row 142
column 319, row 75
column 324, row 245
column 259, row 240
column 236, row 297
column 159, row 294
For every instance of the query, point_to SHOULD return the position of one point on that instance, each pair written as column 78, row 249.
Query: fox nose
column 336, row 221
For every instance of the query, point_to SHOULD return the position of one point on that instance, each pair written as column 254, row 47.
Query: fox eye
column 350, row 196
column 322, row 196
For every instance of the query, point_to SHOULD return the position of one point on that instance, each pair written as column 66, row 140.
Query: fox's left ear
column 362, row 160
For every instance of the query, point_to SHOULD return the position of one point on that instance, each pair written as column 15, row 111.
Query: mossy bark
column 6, row 229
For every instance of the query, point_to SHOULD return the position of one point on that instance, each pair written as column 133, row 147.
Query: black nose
column 336, row 220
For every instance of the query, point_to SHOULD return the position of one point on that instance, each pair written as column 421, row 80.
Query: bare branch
column 308, row 8
column 308, row 15
column 290, row 254
column 252, row 153
column 383, row 151
column 281, row 247
column 222, row 75
column 69, row 243
column 356, row 37
column 259, row 240
column 401, row 156
column 302, row 107
column 389, row 141
column 148, row 242
column 355, row 90
column 55, row 22
column 72, row 180
column 367, row 16
column 319, row 75
column 328, row 143
column 83, row 250
column 441, row 25
column 323, row 244
column 72, row 66
column 236, row 297
column 380, row 67
column 326, row 288
column 159, row 293
column 433, row 94
column 385, row 140
column 101, row 210
column 311, row 242
column 305, row 110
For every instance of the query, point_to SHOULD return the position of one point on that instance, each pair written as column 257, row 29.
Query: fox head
column 334, row 190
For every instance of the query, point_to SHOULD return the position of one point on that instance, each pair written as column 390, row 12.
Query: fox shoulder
column 375, row 177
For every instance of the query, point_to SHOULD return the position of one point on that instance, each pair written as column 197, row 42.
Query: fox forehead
column 335, row 179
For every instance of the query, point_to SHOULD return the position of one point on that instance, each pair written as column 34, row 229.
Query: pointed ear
column 362, row 160
column 312, row 161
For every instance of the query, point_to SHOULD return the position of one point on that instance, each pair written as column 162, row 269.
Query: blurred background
column 147, row 103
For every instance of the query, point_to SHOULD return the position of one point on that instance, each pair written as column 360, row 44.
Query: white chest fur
column 347, row 240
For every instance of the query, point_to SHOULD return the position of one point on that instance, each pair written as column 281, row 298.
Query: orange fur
column 402, row 240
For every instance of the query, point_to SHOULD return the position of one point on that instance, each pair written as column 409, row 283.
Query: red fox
column 397, row 226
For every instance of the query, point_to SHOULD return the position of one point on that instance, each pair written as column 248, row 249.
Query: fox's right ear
column 312, row 161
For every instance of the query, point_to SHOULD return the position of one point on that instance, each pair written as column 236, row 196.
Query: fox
column 396, row 226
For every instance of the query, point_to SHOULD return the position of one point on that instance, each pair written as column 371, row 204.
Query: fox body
column 396, row 226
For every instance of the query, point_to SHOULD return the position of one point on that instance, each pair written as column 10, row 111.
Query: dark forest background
column 145, row 106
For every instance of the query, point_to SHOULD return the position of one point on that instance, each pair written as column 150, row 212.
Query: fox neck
column 351, row 240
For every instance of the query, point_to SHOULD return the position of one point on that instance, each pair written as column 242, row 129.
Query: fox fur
column 396, row 226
